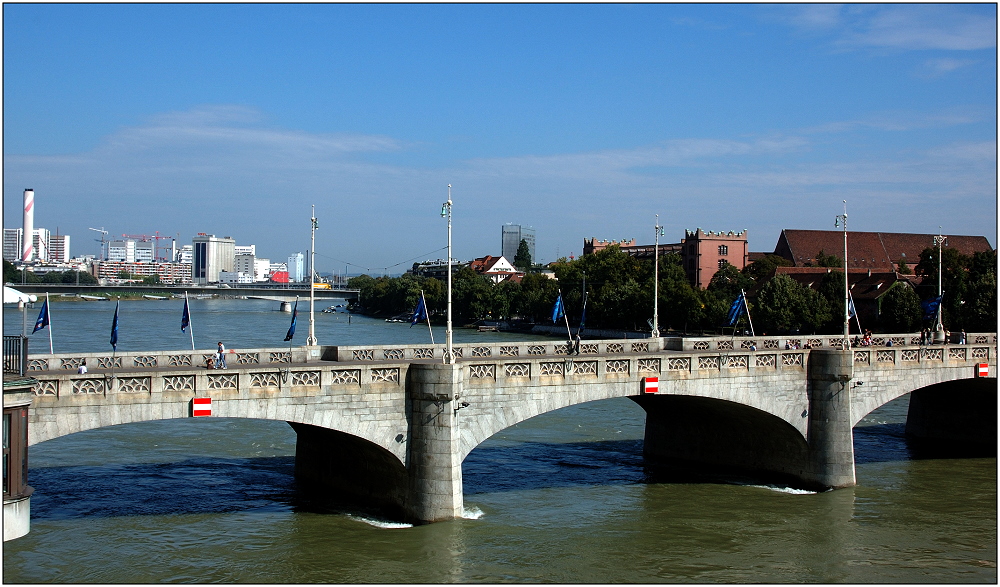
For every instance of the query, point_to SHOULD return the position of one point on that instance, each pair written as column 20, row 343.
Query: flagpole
column 746, row 307
column 656, row 279
column 48, row 310
column 187, row 303
column 856, row 319
column 427, row 315
column 569, row 335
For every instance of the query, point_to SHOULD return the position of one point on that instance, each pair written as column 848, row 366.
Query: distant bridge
column 392, row 424
column 276, row 292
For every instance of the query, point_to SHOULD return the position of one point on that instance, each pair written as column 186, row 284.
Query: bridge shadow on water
column 210, row 485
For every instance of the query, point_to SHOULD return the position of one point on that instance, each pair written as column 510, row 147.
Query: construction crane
column 102, row 240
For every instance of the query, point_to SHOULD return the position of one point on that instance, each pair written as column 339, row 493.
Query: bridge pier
column 706, row 433
column 434, row 467
column 831, row 436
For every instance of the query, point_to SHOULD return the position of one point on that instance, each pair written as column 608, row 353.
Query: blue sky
column 580, row 120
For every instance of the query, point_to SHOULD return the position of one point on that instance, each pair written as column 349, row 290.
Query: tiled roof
column 868, row 250
column 864, row 284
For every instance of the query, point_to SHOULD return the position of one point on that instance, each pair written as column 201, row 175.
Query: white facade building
column 185, row 254
column 12, row 244
column 245, row 250
column 235, row 277
column 212, row 255
column 261, row 269
column 59, row 248
column 297, row 267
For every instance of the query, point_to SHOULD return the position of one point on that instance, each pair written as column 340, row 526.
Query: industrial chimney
column 28, row 236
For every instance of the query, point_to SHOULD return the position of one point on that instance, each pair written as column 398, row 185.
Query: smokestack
column 28, row 237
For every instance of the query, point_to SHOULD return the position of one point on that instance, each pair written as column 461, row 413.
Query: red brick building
column 702, row 253
column 878, row 251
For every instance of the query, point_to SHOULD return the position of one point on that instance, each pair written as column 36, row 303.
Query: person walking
column 576, row 343
column 221, row 362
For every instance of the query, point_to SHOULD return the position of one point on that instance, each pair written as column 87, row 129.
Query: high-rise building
column 211, row 255
column 297, row 267
column 511, row 237
column 59, row 248
column 12, row 244
column 40, row 241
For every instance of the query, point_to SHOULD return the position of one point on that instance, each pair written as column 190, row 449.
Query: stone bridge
column 392, row 424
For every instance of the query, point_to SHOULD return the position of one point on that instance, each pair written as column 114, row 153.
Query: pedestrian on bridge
column 220, row 363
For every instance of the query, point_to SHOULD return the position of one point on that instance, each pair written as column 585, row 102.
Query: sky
column 579, row 120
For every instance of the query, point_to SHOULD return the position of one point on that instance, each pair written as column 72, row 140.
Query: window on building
column 723, row 250
column 723, row 263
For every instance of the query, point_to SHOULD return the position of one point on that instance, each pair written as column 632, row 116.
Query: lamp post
column 847, row 292
column 939, row 240
column 311, row 340
column 656, row 278
column 449, row 356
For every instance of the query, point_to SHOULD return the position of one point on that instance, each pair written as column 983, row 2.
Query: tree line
column 619, row 291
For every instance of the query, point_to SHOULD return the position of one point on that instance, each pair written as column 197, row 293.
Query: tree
column 824, row 260
column 762, row 269
column 10, row 273
column 899, row 309
column 783, row 305
column 831, row 287
column 522, row 259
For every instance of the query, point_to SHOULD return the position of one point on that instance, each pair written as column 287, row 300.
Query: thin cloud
column 907, row 27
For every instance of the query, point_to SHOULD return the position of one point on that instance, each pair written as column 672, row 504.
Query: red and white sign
column 983, row 370
column 650, row 384
column 201, row 406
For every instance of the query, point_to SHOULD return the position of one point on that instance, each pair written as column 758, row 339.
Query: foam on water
column 381, row 523
column 472, row 513
column 781, row 489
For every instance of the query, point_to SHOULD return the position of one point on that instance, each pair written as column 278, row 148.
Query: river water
column 564, row 497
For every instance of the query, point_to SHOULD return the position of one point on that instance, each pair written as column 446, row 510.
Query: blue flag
column 583, row 314
column 114, row 329
column 850, row 308
column 931, row 307
column 295, row 314
column 43, row 318
column 420, row 313
column 185, row 316
column 558, row 311
column 739, row 305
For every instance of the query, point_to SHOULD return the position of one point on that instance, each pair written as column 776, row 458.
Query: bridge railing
column 160, row 359
column 762, row 343
column 465, row 351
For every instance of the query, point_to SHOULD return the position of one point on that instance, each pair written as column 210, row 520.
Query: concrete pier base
column 831, row 436
column 433, row 466
column 711, row 434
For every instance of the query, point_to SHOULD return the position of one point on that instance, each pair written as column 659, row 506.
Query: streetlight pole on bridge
column 446, row 212
column 656, row 278
column 847, row 288
column 311, row 340
column 939, row 240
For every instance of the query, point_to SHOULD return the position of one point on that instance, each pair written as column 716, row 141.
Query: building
column 704, row 253
column 245, row 250
column 878, row 251
column 211, row 255
column 496, row 268
column 244, row 263
column 261, row 269
column 185, row 254
column 12, row 244
column 40, row 240
column 297, row 267
column 59, row 248
column 176, row 273
column 511, row 236
column 235, row 277
column 437, row 269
